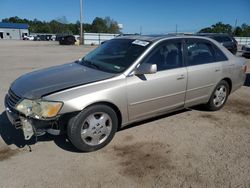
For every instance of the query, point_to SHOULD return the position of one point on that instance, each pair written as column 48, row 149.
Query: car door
column 165, row 90
column 204, row 71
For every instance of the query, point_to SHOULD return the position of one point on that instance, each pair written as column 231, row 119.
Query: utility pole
column 236, row 21
column 140, row 30
column 176, row 29
column 235, row 25
column 81, row 22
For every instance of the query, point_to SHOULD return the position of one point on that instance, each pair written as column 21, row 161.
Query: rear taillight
column 245, row 68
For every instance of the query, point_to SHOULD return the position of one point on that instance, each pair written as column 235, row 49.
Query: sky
column 152, row 16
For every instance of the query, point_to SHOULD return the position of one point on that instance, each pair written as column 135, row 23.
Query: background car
column 37, row 38
column 53, row 37
column 67, row 40
column 28, row 37
column 246, row 50
column 225, row 39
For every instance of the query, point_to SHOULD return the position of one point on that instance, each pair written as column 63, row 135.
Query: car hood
column 36, row 84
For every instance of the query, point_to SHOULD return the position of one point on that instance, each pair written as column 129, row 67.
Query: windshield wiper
column 91, row 64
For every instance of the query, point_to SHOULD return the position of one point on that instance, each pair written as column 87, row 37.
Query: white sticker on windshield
column 116, row 67
column 140, row 42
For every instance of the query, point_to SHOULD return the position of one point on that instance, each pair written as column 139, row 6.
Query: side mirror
column 146, row 68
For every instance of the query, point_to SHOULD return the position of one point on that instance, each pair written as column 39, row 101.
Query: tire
column 93, row 128
column 218, row 97
column 234, row 51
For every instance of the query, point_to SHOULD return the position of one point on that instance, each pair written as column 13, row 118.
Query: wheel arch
column 111, row 105
column 229, row 81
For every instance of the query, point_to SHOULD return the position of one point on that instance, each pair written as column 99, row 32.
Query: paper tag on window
column 117, row 67
column 140, row 42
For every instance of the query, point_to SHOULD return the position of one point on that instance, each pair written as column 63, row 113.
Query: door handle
column 180, row 77
column 217, row 70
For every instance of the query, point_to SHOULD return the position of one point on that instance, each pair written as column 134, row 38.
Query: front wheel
column 93, row 128
column 219, row 96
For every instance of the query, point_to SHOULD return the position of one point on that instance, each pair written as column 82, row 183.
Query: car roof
column 155, row 38
column 213, row 34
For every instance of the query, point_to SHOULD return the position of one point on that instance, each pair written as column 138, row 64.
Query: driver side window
column 166, row 56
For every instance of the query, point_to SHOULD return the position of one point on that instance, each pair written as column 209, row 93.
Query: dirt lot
column 190, row 148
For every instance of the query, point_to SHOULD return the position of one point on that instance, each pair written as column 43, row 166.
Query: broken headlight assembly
column 39, row 109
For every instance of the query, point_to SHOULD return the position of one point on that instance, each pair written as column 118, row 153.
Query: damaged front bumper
column 29, row 125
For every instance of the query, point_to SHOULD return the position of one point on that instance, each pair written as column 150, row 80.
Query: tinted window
column 199, row 53
column 222, row 38
column 116, row 55
column 166, row 56
column 219, row 55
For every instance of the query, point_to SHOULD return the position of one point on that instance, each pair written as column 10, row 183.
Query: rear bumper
column 232, row 49
column 237, row 86
column 246, row 53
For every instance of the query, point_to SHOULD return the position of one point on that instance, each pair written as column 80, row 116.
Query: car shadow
column 153, row 119
column 11, row 135
column 247, row 81
column 246, row 56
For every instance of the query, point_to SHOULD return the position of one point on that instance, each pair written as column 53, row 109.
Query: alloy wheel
column 96, row 128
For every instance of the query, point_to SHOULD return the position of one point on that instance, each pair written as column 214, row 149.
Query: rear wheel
column 93, row 128
column 219, row 96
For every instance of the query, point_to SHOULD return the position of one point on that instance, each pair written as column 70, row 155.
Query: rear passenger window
column 166, row 56
column 200, row 53
column 219, row 55
column 222, row 39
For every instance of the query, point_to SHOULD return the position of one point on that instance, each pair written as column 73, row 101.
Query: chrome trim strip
column 210, row 85
column 153, row 99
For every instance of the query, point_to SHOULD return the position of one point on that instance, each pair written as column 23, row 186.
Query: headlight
column 39, row 108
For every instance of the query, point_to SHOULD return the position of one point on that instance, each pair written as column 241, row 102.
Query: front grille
column 13, row 99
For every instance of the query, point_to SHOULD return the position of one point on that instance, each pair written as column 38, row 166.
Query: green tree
column 206, row 30
column 217, row 28
column 99, row 25
column 61, row 25
column 245, row 30
column 43, row 28
column 222, row 28
column 87, row 28
column 55, row 26
column 241, row 31
column 106, row 25
column 238, row 31
column 112, row 25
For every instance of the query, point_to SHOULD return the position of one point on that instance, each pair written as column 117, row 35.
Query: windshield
column 115, row 56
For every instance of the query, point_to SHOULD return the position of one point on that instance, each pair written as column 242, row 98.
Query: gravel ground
column 189, row 148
